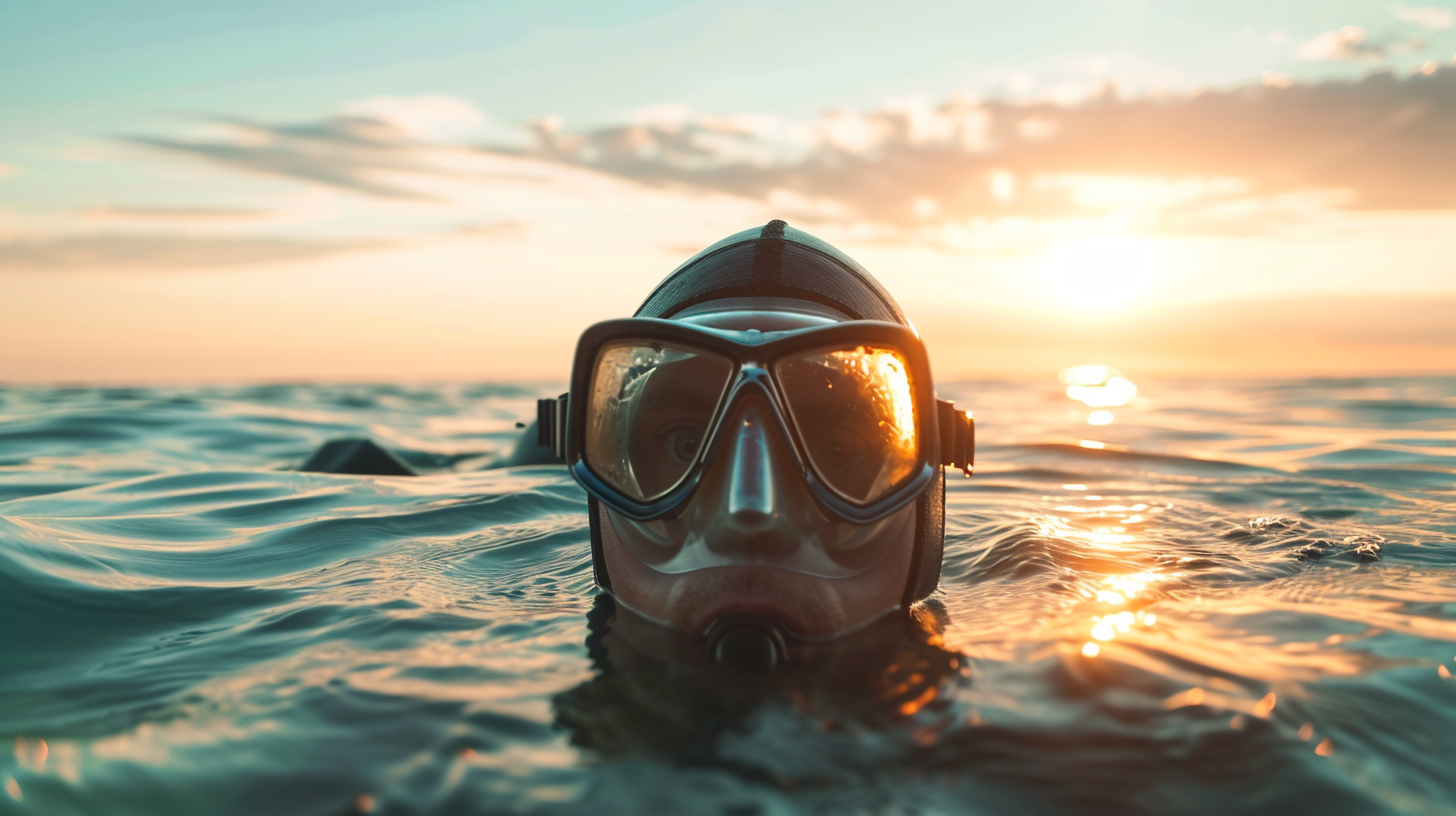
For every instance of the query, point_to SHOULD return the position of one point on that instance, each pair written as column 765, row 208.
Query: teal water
column 1239, row 597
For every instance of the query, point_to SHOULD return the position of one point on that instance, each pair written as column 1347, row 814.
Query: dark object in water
column 530, row 451
column 355, row 456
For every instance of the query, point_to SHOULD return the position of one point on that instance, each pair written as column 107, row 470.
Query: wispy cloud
column 1433, row 18
column 431, row 116
column 381, row 147
column 1385, row 141
column 1187, row 162
column 129, row 212
column 159, row 253
column 493, row 229
column 347, row 152
column 1353, row 44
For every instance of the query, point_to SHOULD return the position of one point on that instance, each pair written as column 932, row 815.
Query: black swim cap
column 774, row 260
column 778, row 261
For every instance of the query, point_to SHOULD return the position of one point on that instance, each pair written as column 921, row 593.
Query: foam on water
column 1237, row 597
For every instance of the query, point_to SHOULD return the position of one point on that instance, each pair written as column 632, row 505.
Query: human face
column 760, row 517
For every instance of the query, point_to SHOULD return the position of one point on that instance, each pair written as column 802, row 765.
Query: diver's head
column 762, row 447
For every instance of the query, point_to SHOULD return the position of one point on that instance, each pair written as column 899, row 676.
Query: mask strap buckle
column 957, row 436
column 551, row 424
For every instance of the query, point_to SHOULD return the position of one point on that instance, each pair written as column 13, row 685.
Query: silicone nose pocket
column 751, row 489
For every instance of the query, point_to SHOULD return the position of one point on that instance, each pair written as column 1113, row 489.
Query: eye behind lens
column 838, row 451
column 855, row 411
column 680, row 445
column 649, row 405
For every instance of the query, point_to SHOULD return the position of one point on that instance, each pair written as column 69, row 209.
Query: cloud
column 433, row 117
column 151, row 253
column 127, row 212
column 8, row 170
column 1184, row 162
column 371, row 147
column 1433, row 18
column 346, row 152
column 1381, row 142
column 1348, row 43
column 1352, row 44
column 493, row 229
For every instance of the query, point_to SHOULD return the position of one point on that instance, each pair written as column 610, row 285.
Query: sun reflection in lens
column 887, row 379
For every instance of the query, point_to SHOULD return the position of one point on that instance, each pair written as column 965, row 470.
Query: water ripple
column 1236, row 597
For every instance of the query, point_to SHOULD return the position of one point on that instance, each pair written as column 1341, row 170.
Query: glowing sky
column 208, row 191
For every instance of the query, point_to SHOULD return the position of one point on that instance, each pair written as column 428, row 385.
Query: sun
column 1099, row 274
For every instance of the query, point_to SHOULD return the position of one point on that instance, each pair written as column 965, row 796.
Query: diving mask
column 755, row 437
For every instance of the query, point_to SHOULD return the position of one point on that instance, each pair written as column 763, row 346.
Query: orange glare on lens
column 855, row 409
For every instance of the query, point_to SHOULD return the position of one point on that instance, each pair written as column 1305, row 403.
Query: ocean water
column 1237, row 597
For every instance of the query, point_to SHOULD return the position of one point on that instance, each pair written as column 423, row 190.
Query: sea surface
column 1236, row 597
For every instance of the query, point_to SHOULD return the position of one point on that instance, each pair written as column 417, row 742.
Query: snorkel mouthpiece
column 747, row 643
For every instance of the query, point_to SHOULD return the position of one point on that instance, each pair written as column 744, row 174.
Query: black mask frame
column 947, row 436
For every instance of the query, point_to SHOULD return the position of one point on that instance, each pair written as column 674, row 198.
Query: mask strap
column 551, row 424
column 957, row 436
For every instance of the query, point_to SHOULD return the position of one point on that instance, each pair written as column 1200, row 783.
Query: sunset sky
column 200, row 191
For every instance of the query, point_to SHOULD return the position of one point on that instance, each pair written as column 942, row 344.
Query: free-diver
column 762, row 449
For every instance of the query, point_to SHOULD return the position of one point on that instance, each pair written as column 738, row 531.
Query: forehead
column 761, row 314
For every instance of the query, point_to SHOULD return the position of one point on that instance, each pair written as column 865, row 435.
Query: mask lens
column 650, row 407
column 855, row 410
